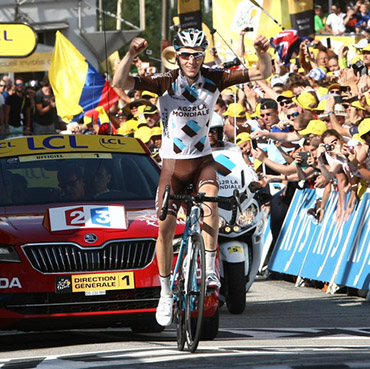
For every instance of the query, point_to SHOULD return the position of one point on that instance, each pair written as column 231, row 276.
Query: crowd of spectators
column 308, row 125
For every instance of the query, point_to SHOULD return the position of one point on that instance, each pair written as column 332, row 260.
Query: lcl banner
column 331, row 251
column 17, row 40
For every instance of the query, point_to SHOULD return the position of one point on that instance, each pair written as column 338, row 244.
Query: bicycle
column 188, row 282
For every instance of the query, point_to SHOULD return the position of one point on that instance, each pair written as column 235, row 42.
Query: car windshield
column 76, row 177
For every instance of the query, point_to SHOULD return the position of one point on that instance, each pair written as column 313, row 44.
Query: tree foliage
column 153, row 23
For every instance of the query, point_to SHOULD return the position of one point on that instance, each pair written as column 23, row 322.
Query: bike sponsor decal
column 234, row 249
column 10, row 283
column 87, row 216
column 94, row 282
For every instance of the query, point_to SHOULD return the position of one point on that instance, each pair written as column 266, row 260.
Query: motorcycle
column 241, row 232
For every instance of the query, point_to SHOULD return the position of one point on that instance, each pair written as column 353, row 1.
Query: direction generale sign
column 17, row 40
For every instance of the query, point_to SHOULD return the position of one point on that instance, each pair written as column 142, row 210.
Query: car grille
column 51, row 303
column 67, row 258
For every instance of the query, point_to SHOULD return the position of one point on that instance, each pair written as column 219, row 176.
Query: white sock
column 165, row 286
column 210, row 261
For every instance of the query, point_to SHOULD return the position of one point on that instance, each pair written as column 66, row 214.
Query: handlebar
column 198, row 198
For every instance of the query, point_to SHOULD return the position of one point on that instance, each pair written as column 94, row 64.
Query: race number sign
column 87, row 216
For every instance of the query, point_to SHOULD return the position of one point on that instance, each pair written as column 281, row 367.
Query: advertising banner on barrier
column 354, row 270
column 330, row 251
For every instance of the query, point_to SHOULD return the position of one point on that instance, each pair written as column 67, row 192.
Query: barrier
column 327, row 251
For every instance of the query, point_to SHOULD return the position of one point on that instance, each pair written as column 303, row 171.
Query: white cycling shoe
column 164, row 311
column 212, row 281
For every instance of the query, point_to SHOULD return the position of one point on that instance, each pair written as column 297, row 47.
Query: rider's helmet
column 217, row 123
column 190, row 38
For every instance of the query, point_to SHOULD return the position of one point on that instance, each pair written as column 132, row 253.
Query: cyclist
column 187, row 96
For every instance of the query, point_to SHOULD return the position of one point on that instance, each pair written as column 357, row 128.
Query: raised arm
column 264, row 66
column 122, row 78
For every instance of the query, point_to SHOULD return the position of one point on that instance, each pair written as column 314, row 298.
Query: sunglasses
column 213, row 130
column 293, row 115
column 186, row 56
column 267, row 115
column 2, row 85
column 19, row 84
column 285, row 102
column 335, row 91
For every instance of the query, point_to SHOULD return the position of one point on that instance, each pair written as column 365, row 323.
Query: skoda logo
column 90, row 237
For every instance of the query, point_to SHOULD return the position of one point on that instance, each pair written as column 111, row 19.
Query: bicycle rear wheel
column 194, row 299
column 179, row 312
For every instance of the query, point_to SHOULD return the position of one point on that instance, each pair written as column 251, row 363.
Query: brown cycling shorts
column 181, row 173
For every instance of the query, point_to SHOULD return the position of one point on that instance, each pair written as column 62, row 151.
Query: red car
column 77, row 234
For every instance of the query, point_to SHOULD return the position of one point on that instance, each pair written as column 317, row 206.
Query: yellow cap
column 127, row 128
column 367, row 48
column 321, row 106
column 314, row 127
column 364, row 127
column 285, row 94
column 156, row 131
column 148, row 94
column 242, row 137
column 230, row 90
column 143, row 133
column 357, row 105
column 306, row 100
column 257, row 112
column 235, row 110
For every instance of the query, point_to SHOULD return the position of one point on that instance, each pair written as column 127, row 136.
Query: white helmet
column 190, row 38
column 217, row 121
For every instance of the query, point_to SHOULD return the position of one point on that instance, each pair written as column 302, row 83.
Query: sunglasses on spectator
column 293, row 115
column 2, row 85
column 267, row 115
column 335, row 91
column 19, row 84
column 213, row 130
column 285, row 102
column 186, row 56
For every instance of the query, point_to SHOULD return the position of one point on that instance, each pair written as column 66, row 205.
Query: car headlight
column 8, row 254
column 248, row 216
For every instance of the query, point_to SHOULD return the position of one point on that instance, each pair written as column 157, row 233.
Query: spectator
column 362, row 15
column 45, row 116
column 335, row 21
column 236, row 118
column 17, row 111
column 152, row 116
column 319, row 20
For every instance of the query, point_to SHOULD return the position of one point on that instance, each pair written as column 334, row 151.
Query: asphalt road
column 283, row 326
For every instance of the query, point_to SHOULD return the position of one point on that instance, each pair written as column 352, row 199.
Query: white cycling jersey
column 186, row 111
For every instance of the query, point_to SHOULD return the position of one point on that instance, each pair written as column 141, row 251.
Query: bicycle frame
column 192, row 226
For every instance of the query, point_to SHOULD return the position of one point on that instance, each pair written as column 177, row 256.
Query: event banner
column 268, row 17
column 230, row 17
column 189, row 13
column 331, row 251
column 302, row 17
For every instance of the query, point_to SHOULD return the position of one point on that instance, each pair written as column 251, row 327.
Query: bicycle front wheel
column 195, row 293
